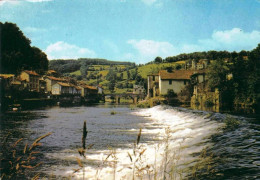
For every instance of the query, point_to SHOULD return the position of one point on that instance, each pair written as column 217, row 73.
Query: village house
column 51, row 80
column 77, row 90
column 87, row 91
column 61, row 88
column 152, row 85
column 176, row 81
column 32, row 79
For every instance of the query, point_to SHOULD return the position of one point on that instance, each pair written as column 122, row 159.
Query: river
column 175, row 143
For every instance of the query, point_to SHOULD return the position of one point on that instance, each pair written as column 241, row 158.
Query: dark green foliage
column 17, row 53
column 72, row 65
column 171, row 94
column 212, row 55
column 158, row 60
column 217, row 74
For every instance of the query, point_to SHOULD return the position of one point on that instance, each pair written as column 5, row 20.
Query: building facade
column 32, row 79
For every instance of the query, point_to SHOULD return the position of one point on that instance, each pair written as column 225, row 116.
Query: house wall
column 201, row 78
column 33, row 81
column 151, row 84
column 82, row 92
column 49, row 85
column 56, row 89
column 176, row 86
column 25, row 76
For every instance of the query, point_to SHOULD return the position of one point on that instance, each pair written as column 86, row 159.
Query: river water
column 175, row 143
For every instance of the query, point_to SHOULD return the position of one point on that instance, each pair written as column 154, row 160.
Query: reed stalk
column 16, row 162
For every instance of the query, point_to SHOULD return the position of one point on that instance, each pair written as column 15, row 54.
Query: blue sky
column 135, row 30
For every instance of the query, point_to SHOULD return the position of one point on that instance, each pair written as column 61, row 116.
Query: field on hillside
column 97, row 74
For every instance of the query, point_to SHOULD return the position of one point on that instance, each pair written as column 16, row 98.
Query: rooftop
column 64, row 84
column 55, row 78
column 31, row 73
column 179, row 74
column 6, row 76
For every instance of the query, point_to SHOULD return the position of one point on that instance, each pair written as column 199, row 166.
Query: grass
column 77, row 73
column 16, row 162
column 154, row 68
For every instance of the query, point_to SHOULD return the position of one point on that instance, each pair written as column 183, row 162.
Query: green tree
column 158, row 60
column 217, row 74
column 17, row 53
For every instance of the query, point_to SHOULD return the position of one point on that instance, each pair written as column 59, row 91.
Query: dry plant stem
column 15, row 162
column 84, row 135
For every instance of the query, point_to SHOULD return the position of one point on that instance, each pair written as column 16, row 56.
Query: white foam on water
column 187, row 133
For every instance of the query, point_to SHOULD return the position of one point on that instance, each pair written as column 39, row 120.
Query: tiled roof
column 6, row 76
column 179, row 74
column 32, row 73
column 77, row 87
column 88, row 87
column 91, row 87
column 55, row 78
column 64, row 84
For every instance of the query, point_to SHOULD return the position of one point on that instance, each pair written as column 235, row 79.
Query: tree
column 217, row 74
column 158, row 60
column 17, row 53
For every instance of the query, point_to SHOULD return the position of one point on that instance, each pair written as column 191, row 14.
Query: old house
column 87, row 91
column 61, row 88
column 32, row 79
column 77, row 90
column 51, row 80
column 179, row 79
column 175, row 81
column 152, row 85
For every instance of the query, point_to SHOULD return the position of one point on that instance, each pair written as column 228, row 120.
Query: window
column 170, row 81
column 184, row 82
column 153, row 78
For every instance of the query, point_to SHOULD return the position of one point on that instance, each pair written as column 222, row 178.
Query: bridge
column 134, row 97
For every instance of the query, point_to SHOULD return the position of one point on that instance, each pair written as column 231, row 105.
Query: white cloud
column 149, row 49
column 63, row 50
column 13, row 2
column 231, row 40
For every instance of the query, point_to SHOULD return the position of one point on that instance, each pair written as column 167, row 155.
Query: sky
column 134, row 30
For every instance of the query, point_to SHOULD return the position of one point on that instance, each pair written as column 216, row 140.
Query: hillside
column 120, row 77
